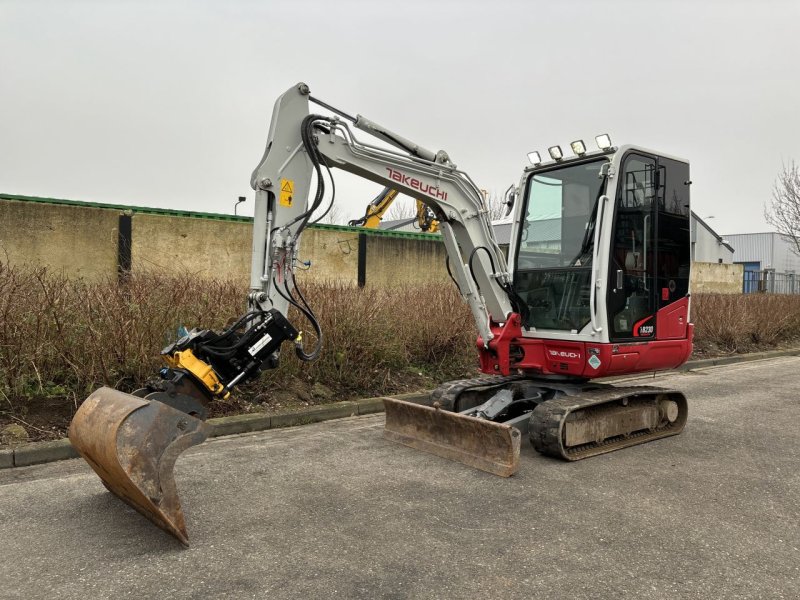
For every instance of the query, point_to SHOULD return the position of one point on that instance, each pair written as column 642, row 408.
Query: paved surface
column 333, row 510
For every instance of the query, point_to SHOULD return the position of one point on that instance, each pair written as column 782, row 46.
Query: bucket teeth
column 132, row 444
column 491, row 447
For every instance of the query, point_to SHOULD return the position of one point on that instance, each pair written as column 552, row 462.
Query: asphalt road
column 333, row 510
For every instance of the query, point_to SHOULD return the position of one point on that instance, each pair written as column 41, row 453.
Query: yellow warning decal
column 287, row 192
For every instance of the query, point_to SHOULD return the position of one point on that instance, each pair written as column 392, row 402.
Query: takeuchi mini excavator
column 596, row 284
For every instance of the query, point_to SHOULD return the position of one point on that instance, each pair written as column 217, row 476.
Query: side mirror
column 509, row 198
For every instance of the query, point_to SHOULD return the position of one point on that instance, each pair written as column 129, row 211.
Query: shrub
column 742, row 323
column 58, row 333
column 61, row 338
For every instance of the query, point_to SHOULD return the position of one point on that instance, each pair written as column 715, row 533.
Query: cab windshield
column 554, row 253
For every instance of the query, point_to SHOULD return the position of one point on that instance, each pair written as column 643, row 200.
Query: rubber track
column 548, row 418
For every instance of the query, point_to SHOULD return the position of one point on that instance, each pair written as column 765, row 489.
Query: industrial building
column 770, row 261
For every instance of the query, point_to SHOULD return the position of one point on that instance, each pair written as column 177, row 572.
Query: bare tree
column 496, row 205
column 334, row 216
column 783, row 210
column 402, row 208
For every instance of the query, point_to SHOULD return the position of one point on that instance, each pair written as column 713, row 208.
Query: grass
column 61, row 338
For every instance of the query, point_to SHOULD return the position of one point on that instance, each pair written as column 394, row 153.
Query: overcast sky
column 167, row 104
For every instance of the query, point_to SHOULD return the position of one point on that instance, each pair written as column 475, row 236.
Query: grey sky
column 168, row 103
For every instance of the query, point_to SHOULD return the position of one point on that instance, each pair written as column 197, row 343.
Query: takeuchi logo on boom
column 415, row 183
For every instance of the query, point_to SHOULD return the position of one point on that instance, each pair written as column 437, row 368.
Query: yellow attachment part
column 378, row 207
column 186, row 359
column 425, row 219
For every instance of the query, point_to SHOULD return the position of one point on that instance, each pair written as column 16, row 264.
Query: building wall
column 769, row 249
column 784, row 258
column 707, row 248
column 716, row 278
column 752, row 247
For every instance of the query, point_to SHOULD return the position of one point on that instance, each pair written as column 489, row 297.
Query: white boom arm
column 300, row 144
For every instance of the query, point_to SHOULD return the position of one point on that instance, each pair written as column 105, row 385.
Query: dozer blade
column 491, row 447
column 132, row 444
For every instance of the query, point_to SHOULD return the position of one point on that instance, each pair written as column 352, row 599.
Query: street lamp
column 238, row 202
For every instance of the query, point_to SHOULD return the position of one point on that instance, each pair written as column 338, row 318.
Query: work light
column 534, row 158
column 578, row 147
column 555, row 152
column 603, row 141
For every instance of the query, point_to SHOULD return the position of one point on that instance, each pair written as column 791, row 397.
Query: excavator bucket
column 491, row 447
column 132, row 444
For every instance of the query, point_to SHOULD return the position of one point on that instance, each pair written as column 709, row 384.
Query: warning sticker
column 287, row 192
column 594, row 362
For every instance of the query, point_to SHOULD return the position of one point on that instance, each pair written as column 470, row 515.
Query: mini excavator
column 596, row 284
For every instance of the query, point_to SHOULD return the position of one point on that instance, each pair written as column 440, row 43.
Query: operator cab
column 619, row 218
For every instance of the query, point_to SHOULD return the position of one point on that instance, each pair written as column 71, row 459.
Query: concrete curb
column 736, row 358
column 6, row 459
column 43, row 452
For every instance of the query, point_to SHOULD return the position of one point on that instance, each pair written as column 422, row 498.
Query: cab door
column 650, row 259
column 631, row 298
column 673, row 244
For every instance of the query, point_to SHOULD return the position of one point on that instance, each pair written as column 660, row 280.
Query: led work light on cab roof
column 578, row 148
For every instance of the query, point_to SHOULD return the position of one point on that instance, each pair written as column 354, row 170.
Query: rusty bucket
column 488, row 446
column 132, row 444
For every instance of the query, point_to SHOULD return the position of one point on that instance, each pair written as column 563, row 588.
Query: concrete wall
column 333, row 254
column 82, row 240
column 222, row 249
column 716, row 278
column 402, row 261
column 79, row 240
column 204, row 247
